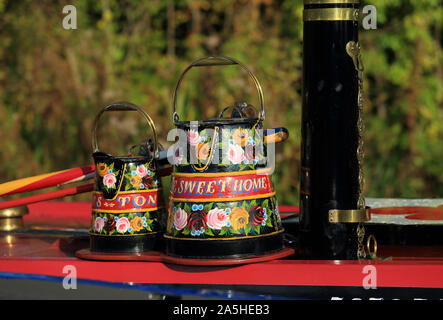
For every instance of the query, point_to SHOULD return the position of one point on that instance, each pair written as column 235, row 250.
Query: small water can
column 222, row 201
column 127, row 206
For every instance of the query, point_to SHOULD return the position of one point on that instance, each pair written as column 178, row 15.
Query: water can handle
column 122, row 106
column 218, row 61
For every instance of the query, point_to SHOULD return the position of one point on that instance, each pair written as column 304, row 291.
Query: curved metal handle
column 218, row 61
column 122, row 106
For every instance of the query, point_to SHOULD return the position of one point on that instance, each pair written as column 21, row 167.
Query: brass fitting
column 11, row 219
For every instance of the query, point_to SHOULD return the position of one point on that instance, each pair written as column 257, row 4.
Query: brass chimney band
column 349, row 216
column 330, row 14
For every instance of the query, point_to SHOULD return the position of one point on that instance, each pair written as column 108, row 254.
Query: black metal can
column 127, row 204
column 222, row 202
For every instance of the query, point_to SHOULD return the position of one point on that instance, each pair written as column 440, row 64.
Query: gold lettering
column 152, row 201
column 122, row 200
column 264, row 183
column 200, row 187
column 257, row 184
column 223, row 186
column 139, row 201
column 210, row 188
column 237, row 186
column 189, row 187
column 247, row 185
column 180, row 188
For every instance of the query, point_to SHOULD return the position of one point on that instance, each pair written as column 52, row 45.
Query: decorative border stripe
column 122, row 235
column 133, row 191
column 224, row 199
column 224, row 239
column 128, row 211
column 223, row 174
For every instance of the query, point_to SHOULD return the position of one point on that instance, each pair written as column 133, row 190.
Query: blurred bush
column 53, row 81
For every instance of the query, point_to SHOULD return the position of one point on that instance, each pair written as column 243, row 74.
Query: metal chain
column 361, row 254
column 353, row 49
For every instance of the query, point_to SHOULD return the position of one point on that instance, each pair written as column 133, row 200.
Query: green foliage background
column 53, row 81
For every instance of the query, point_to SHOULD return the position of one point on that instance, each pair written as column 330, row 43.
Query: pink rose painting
column 217, row 219
column 109, row 180
column 180, row 219
column 193, row 138
column 122, row 225
column 141, row 171
column 236, row 154
column 99, row 224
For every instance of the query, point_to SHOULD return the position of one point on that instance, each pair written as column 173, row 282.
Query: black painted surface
column 329, row 139
column 126, row 244
column 225, row 248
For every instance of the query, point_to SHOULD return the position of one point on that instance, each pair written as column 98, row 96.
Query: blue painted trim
column 153, row 288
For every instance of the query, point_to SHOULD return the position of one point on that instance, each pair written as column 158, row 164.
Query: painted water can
column 127, row 206
column 222, row 201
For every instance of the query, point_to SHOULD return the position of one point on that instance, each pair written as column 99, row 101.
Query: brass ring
column 372, row 254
